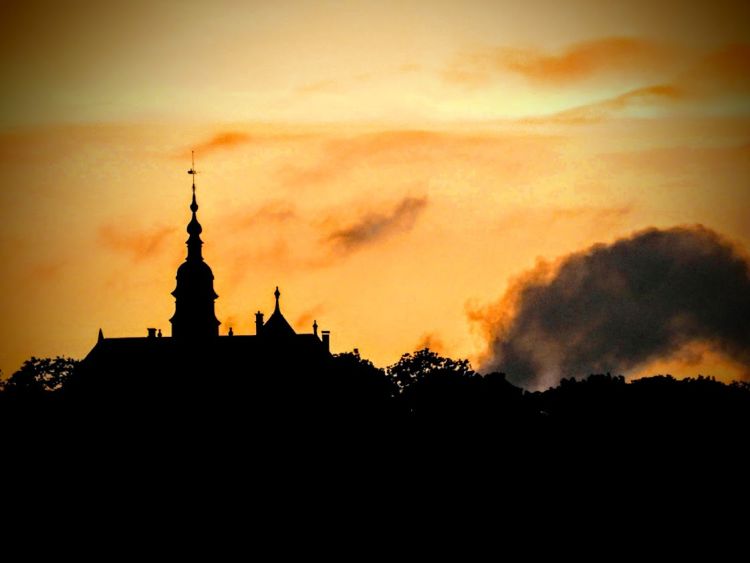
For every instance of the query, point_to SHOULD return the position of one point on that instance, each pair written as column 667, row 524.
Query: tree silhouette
column 417, row 367
column 41, row 375
column 435, row 388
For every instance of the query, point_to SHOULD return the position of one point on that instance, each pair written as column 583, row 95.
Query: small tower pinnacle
column 277, row 325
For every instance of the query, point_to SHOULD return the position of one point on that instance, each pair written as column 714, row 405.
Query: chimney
column 151, row 332
column 258, row 323
column 327, row 340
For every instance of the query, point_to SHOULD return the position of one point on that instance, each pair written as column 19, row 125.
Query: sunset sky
column 392, row 166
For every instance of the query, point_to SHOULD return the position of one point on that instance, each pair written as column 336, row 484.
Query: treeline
column 422, row 389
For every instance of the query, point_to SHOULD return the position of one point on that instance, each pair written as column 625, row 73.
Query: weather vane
column 192, row 170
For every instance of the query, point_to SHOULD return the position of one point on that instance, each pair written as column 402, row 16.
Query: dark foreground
column 422, row 402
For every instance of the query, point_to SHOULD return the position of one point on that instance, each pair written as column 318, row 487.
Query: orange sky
column 391, row 165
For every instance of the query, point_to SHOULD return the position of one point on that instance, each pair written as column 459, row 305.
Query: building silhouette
column 195, row 346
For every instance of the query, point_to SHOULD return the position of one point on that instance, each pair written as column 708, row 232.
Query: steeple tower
column 194, row 316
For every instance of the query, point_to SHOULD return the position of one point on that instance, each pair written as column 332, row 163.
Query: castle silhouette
column 195, row 346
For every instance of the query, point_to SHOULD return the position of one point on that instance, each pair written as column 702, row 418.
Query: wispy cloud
column 257, row 135
column 304, row 321
column 719, row 75
column 272, row 212
column 138, row 244
column 671, row 77
column 374, row 226
column 340, row 155
column 223, row 140
column 343, row 153
column 658, row 96
column 608, row 56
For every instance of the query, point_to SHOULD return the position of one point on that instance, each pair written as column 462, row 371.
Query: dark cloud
column 616, row 307
column 375, row 226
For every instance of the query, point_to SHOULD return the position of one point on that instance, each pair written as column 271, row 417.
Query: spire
column 277, row 294
column 194, row 229
column 194, row 315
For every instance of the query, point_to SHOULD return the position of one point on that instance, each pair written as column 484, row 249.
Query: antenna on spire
column 192, row 170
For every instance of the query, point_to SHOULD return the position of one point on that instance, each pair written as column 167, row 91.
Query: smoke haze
column 619, row 306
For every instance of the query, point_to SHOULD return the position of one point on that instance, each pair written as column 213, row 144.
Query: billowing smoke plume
column 615, row 307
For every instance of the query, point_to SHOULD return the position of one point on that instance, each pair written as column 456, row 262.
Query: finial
column 101, row 336
column 277, row 294
column 315, row 327
column 194, row 228
column 192, row 170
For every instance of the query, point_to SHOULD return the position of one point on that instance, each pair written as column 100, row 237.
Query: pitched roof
column 277, row 325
